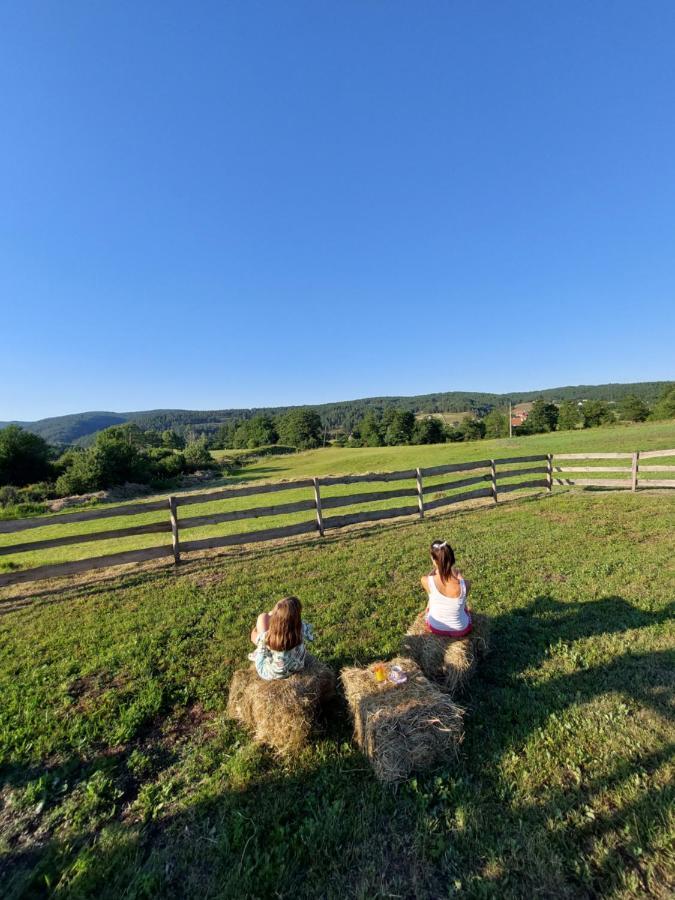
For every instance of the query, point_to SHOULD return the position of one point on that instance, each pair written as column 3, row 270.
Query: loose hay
column 281, row 713
column 448, row 661
column 401, row 728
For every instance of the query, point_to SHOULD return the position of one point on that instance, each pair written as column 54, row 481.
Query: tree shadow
column 322, row 826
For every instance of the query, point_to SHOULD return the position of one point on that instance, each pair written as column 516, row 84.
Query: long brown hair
column 444, row 557
column 285, row 631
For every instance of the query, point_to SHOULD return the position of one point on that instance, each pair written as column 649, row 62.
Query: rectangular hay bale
column 281, row 713
column 401, row 728
column 448, row 661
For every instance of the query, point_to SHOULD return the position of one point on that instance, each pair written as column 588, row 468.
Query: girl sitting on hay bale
column 446, row 639
column 280, row 637
column 447, row 613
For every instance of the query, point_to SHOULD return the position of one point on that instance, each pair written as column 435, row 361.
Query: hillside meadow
column 329, row 460
column 121, row 775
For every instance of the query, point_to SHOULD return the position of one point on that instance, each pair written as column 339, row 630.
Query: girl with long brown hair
column 280, row 637
column 446, row 613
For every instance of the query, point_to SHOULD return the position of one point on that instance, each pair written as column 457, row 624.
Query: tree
column 300, row 428
column 152, row 438
column 542, row 417
column 429, row 431
column 370, row 431
column 569, row 415
column 84, row 474
column 172, row 440
column 665, row 405
column 596, row 412
column 117, row 456
column 197, row 454
column 400, row 429
column 472, row 429
column 496, row 424
column 24, row 457
column 256, row 432
column 632, row 409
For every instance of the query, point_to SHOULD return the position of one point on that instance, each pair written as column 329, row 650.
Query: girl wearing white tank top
column 447, row 612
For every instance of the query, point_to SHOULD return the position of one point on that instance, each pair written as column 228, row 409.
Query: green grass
column 330, row 460
column 343, row 460
column 121, row 775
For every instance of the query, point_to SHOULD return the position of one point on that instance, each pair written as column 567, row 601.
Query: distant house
column 519, row 414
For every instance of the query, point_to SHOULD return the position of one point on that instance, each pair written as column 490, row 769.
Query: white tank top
column 447, row 613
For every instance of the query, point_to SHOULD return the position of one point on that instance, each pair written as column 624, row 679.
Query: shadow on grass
column 321, row 825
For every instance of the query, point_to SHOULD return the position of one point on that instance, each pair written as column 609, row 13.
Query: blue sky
column 259, row 203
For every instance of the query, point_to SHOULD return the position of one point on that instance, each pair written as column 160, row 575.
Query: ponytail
column 444, row 557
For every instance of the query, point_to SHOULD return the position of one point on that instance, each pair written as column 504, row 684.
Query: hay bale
column 448, row 661
column 281, row 713
column 401, row 728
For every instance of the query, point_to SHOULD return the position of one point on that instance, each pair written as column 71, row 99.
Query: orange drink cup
column 380, row 675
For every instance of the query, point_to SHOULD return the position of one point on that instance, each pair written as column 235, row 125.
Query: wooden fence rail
column 423, row 493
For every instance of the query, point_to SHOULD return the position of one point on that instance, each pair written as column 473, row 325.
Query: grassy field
column 330, row 460
column 343, row 460
column 120, row 775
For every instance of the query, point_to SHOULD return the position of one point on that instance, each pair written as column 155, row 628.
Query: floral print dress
column 273, row 664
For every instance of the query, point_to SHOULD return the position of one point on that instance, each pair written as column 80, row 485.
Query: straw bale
column 401, row 728
column 448, row 661
column 281, row 713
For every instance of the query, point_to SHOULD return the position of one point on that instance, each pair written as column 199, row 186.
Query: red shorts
column 451, row 634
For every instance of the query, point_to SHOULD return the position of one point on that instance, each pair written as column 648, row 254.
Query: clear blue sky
column 250, row 203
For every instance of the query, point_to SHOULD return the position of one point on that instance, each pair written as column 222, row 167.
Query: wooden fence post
column 634, row 471
column 549, row 472
column 493, row 477
column 173, row 513
column 420, row 493
column 317, row 503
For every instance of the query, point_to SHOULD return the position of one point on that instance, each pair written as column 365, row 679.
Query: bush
column 84, row 474
column 9, row 495
column 196, row 455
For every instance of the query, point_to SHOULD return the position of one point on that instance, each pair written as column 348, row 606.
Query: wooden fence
column 425, row 493
column 632, row 471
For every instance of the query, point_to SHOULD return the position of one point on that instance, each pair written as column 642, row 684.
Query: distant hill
column 80, row 428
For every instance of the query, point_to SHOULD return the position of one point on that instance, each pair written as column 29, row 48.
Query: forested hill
column 80, row 427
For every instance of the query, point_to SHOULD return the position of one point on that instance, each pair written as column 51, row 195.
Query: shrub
column 196, row 455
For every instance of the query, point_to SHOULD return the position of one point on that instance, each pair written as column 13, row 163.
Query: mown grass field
column 121, row 775
column 328, row 460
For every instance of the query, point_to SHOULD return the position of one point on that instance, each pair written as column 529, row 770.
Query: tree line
column 389, row 426
column 32, row 471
